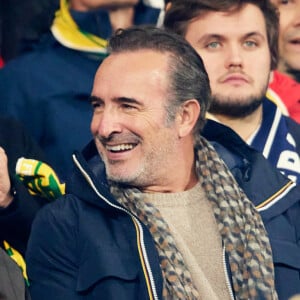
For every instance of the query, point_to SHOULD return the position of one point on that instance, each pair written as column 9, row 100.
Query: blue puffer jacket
column 88, row 246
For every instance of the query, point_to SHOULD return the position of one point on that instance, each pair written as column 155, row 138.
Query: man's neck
column 173, row 180
column 121, row 15
column 245, row 127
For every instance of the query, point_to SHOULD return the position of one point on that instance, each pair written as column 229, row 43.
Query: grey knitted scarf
column 241, row 228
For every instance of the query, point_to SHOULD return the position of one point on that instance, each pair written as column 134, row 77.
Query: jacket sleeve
column 51, row 256
column 16, row 219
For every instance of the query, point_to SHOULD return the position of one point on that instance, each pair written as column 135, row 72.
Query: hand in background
column 5, row 196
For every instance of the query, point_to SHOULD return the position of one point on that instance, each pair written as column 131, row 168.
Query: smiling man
column 136, row 142
column 158, row 218
column 35, row 89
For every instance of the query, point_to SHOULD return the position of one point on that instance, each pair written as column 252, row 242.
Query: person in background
column 285, row 80
column 232, row 47
column 151, row 211
column 17, row 206
column 48, row 88
column 285, row 92
column 22, row 23
column 289, row 38
column 27, row 183
column 12, row 284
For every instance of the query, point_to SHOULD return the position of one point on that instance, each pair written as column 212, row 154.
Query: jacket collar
column 255, row 174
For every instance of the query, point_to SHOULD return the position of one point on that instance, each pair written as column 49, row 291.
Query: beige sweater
column 193, row 226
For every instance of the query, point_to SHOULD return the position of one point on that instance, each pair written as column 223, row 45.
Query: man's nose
column 106, row 123
column 296, row 20
column 233, row 57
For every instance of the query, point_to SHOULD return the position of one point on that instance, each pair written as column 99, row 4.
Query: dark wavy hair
column 187, row 74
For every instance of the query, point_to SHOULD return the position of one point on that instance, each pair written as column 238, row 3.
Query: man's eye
column 96, row 105
column 283, row 2
column 250, row 44
column 128, row 106
column 213, row 45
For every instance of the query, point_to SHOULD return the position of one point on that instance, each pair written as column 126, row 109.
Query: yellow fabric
column 39, row 178
column 18, row 258
column 272, row 95
column 66, row 31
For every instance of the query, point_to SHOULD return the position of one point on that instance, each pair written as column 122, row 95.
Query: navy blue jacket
column 48, row 89
column 85, row 245
column 89, row 247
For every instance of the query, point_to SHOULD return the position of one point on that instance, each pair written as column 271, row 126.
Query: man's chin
column 121, row 177
column 234, row 109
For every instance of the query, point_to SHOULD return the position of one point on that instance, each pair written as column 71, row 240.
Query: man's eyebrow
column 255, row 34
column 209, row 36
column 220, row 37
column 127, row 100
column 94, row 98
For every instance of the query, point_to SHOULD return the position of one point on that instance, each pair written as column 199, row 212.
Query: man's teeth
column 121, row 147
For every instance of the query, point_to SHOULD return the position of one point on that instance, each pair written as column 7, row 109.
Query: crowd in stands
column 190, row 101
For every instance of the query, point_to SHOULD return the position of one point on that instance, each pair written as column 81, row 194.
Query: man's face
column 129, row 123
column 236, row 55
column 289, row 34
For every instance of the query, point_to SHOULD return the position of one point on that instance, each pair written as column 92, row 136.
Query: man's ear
column 187, row 117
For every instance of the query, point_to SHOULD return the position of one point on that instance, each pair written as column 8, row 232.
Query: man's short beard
column 235, row 108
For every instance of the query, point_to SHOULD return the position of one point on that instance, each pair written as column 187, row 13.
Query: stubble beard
column 146, row 172
column 236, row 107
column 121, row 177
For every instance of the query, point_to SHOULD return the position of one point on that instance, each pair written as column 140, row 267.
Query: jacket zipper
column 139, row 231
column 226, row 276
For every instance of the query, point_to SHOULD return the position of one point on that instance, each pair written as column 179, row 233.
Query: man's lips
column 293, row 38
column 234, row 78
column 120, row 147
column 117, row 143
column 294, row 43
column 119, row 152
